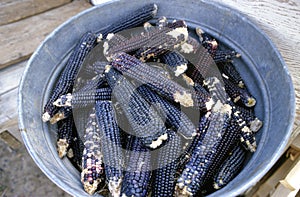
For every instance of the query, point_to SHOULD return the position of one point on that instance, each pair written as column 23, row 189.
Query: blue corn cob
column 76, row 150
column 111, row 146
column 247, row 114
column 159, row 39
column 145, row 122
column 191, row 179
column 230, row 167
column 176, row 62
column 164, row 176
column 96, row 82
column 62, row 113
column 92, row 173
column 64, row 135
column 207, row 152
column 174, row 117
column 225, row 55
column 66, row 80
column 228, row 69
column 133, row 19
column 83, row 98
column 207, row 41
column 238, row 94
column 134, row 68
column 138, row 171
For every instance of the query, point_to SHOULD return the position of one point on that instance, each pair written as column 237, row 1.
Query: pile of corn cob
column 137, row 139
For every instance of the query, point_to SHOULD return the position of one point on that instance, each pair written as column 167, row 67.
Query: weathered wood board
column 20, row 39
column 12, row 11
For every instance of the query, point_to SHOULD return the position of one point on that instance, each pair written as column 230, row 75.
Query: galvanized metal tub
column 261, row 66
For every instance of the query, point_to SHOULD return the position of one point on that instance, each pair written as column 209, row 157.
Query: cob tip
column 180, row 69
column 250, row 102
column 91, row 188
column 46, row 117
column 114, row 186
column 255, row 125
column 154, row 12
column 62, row 146
column 57, row 117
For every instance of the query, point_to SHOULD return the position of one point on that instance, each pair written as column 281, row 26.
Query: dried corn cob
column 138, row 171
column 92, row 160
column 134, row 68
column 67, row 77
column 207, row 41
column 75, row 150
column 144, row 120
column 238, row 94
column 247, row 114
column 202, row 158
column 174, row 117
column 83, row 98
column 228, row 69
column 164, row 176
column 111, row 146
column 176, row 62
column 230, row 167
column 158, row 38
column 62, row 113
column 96, row 82
column 133, row 19
column 225, row 55
column 64, row 135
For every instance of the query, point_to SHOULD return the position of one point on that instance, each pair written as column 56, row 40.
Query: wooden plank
column 12, row 11
column 8, row 106
column 290, row 185
column 296, row 143
column 19, row 40
column 10, row 77
column 10, row 140
column 280, row 20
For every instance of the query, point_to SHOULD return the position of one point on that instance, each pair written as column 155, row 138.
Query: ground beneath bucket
column 20, row 176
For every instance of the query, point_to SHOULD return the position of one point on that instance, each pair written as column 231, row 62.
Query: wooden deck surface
column 21, row 34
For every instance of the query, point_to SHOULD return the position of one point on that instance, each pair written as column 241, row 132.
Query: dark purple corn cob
column 76, row 150
column 247, row 114
column 92, row 173
column 84, row 98
column 134, row 68
column 207, row 152
column 207, row 41
column 110, row 145
column 145, row 122
column 93, row 83
column 62, row 113
column 164, row 176
column 238, row 94
column 66, row 80
column 133, row 19
column 174, row 117
column 64, row 135
column 160, row 39
column 228, row 70
column 202, row 158
column 202, row 128
column 225, row 55
column 138, row 171
column 230, row 167
column 176, row 62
